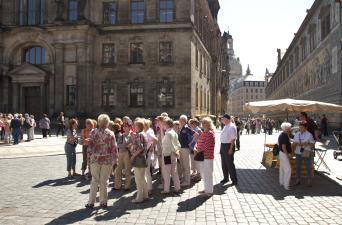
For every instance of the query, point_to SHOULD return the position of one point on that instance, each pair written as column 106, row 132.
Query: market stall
column 291, row 106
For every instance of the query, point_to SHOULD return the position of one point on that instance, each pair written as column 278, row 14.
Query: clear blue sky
column 259, row 27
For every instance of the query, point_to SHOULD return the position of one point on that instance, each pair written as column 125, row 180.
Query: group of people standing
column 301, row 145
column 183, row 151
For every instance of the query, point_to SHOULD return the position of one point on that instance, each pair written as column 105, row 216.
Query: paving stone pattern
column 34, row 191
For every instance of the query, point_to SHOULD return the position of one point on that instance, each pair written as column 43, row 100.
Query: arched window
column 31, row 12
column 35, row 55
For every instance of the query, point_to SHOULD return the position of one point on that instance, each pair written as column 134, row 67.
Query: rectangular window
column 72, row 10
column 136, row 97
column 109, row 12
column 325, row 26
column 108, row 53
column 166, row 94
column 166, row 11
column 71, row 95
column 31, row 12
column 137, row 53
column 42, row 11
column 165, row 53
column 137, row 11
column 108, row 95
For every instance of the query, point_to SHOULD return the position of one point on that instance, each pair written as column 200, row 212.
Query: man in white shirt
column 228, row 137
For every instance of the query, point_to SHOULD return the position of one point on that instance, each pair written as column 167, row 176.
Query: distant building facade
column 311, row 67
column 123, row 57
column 248, row 88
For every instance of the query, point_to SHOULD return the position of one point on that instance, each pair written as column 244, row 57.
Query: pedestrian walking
column 303, row 146
column 124, row 142
column 34, row 125
column 284, row 153
column 171, row 148
column 206, row 146
column 102, row 153
column 60, row 124
column 44, row 124
column 70, row 147
column 185, row 137
column 15, row 126
column 228, row 138
column 139, row 162
column 324, row 125
column 85, row 138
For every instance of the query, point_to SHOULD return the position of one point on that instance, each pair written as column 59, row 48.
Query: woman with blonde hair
column 102, row 154
column 138, row 159
column 204, row 155
column 85, row 137
column 171, row 147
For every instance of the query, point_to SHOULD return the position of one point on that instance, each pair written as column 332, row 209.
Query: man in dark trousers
column 228, row 137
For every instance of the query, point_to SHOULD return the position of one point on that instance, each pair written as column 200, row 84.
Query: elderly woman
column 303, row 145
column 85, row 136
column 138, row 158
column 171, row 147
column 102, row 154
column 70, row 147
column 284, row 151
column 205, row 147
column 124, row 143
column 151, row 143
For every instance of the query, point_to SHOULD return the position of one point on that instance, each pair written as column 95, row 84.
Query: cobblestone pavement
column 34, row 191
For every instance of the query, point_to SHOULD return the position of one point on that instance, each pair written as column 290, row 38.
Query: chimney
column 279, row 56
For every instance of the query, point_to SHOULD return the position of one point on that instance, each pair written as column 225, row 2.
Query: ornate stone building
column 311, row 67
column 122, row 57
column 247, row 88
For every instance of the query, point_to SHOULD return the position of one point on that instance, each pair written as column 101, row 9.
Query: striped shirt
column 206, row 144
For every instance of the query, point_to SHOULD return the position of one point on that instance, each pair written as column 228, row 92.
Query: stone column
column 15, row 98
column 59, row 78
column 82, row 79
column 51, row 95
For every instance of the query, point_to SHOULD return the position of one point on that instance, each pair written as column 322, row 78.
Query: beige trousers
column 140, row 180
column 170, row 170
column 185, row 164
column 124, row 162
column 100, row 175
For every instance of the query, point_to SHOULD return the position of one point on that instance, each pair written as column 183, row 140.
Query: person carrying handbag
column 170, row 155
column 204, row 155
column 303, row 144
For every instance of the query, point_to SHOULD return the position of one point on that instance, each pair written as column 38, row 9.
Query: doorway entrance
column 32, row 100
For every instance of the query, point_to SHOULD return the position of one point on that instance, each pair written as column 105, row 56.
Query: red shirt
column 206, row 144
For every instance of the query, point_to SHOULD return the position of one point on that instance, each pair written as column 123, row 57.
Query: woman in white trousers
column 284, row 151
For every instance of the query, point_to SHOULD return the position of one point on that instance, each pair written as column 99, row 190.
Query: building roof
column 252, row 78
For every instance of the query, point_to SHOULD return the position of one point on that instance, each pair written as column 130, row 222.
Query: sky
column 259, row 27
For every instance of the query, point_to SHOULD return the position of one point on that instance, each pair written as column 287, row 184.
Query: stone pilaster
column 59, row 78
column 82, row 78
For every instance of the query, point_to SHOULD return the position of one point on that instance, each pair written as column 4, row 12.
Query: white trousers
column 206, row 169
column 148, row 171
column 284, row 170
column 170, row 171
column 142, row 191
column 185, row 165
column 100, row 175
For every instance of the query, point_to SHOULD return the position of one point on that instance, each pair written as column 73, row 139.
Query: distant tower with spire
column 248, row 71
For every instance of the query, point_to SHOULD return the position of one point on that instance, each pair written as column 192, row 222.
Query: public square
column 35, row 191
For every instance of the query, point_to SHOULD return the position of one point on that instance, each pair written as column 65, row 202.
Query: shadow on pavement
column 56, row 182
column 192, row 203
column 121, row 206
column 265, row 181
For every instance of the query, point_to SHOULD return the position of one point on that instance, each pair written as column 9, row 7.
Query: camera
column 301, row 149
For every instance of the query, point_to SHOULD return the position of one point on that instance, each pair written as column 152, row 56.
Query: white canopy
column 291, row 105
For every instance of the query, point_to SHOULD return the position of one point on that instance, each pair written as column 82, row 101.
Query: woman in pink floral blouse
column 102, row 155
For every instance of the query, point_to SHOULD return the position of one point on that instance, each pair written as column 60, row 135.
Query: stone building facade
column 311, row 67
column 122, row 57
column 248, row 88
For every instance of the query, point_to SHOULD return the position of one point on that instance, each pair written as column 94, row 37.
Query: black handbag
column 275, row 150
column 167, row 160
column 199, row 156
